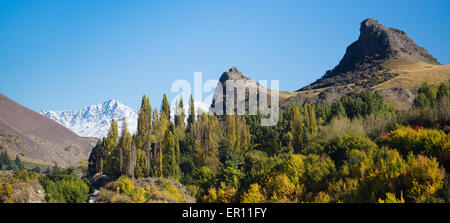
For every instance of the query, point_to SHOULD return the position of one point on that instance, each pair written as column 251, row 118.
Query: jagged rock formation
column 368, row 60
column 247, row 88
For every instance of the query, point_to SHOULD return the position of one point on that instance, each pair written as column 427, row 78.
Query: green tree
column 112, row 151
column 311, row 121
column 165, row 107
column 253, row 195
column 144, row 124
column 422, row 179
column 142, row 169
column 339, row 147
column 125, row 142
column 297, row 130
column 171, row 167
column 180, row 115
column 191, row 117
column 203, row 179
column 429, row 142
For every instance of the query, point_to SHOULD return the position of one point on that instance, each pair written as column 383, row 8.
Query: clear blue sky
column 66, row 54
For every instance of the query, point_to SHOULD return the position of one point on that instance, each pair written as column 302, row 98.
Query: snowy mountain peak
column 95, row 120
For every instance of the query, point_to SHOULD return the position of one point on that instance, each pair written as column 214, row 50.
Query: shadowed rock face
column 232, row 74
column 241, row 83
column 366, row 60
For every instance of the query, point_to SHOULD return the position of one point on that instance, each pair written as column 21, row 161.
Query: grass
column 34, row 165
column 413, row 75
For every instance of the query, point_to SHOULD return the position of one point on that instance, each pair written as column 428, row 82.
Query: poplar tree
column 141, row 164
column 312, row 122
column 171, row 167
column 165, row 107
column 206, row 138
column 143, row 139
column 191, row 118
column 113, row 136
column 180, row 115
column 144, row 123
column 297, row 130
column 111, row 154
column 244, row 137
column 125, row 149
column 230, row 130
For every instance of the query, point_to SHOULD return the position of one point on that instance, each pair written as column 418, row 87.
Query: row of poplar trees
column 158, row 145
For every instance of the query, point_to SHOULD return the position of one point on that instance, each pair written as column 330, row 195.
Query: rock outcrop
column 367, row 61
column 245, row 90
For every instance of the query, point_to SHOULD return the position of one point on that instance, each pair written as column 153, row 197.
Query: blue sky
column 67, row 54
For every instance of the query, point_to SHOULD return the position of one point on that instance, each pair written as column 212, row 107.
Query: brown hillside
column 38, row 139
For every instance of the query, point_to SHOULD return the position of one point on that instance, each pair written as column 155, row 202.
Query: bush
column 279, row 188
column 318, row 172
column 253, row 195
column 380, row 172
column 65, row 189
column 204, row 179
column 423, row 178
column 124, row 185
column 390, row 198
column 343, row 190
column 341, row 126
column 376, row 125
column 339, row 147
column 428, row 142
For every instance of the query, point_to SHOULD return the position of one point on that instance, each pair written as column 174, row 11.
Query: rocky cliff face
column 367, row 60
column 246, row 87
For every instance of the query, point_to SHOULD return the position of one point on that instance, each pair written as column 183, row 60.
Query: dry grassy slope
column 413, row 75
column 38, row 139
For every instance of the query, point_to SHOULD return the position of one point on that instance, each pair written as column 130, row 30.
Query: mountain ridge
column 38, row 139
column 95, row 120
column 382, row 59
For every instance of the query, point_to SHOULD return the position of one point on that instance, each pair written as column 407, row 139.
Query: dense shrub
column 428, row 142
column 65, row 189
column 339, row 147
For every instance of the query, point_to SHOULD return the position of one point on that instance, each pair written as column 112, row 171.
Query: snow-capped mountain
column 95, row 120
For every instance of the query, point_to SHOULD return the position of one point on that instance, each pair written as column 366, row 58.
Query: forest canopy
column 356, row 149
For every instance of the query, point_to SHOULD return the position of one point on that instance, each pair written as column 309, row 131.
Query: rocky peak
column 376, row 44
column 368, row 56
column 232, row 74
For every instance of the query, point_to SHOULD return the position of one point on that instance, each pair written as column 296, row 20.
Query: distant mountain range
column 95, row 120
